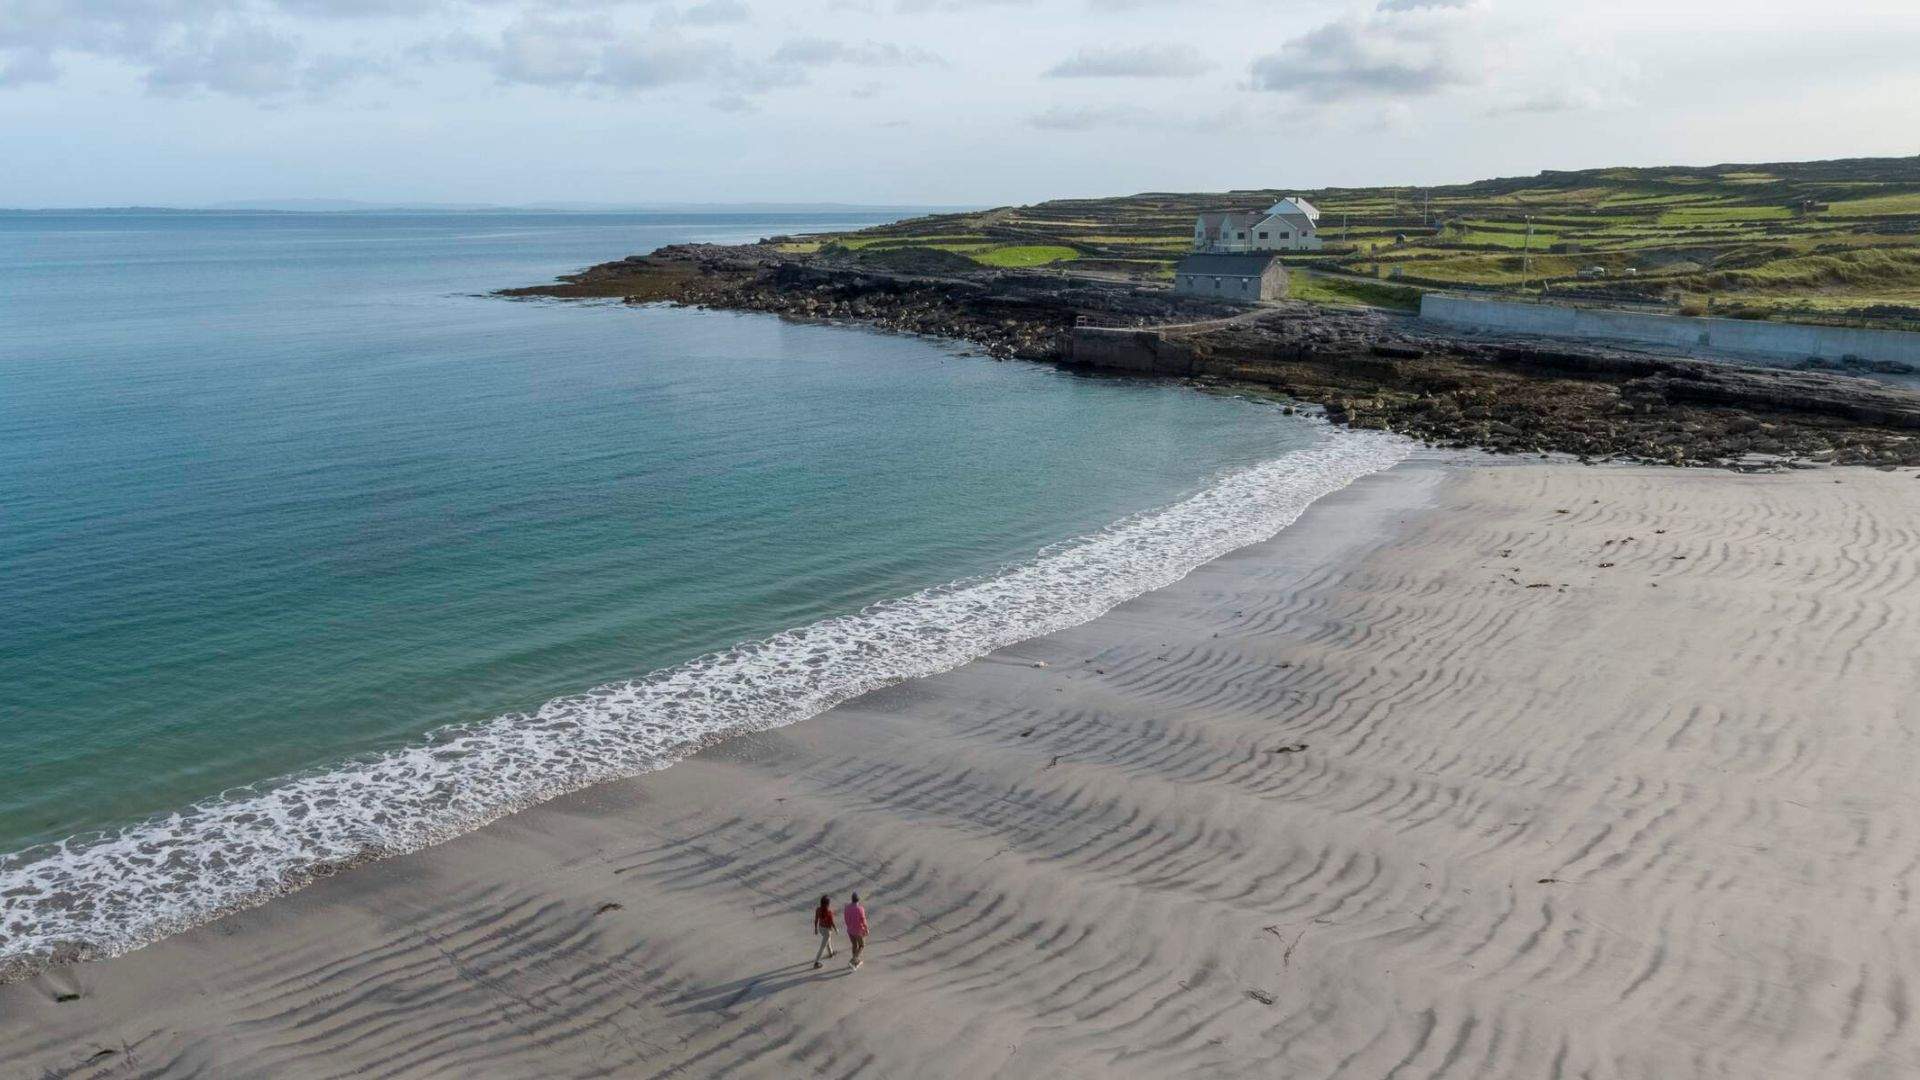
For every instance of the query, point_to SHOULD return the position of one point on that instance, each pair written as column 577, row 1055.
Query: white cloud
column 259, row 48
column 1088, row 117
column 27, row 66
column 635, row 63
column 593, row 53
column 1398, row 52
column 914, row 7
column 1137, row 62
column 1146, row 5
column 716, row 13
column 820, row 52
column 127, row 95
column 1133, row 117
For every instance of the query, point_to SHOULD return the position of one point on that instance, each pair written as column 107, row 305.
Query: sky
column 917, row 102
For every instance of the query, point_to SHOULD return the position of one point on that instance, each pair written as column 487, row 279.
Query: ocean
column 310, row 551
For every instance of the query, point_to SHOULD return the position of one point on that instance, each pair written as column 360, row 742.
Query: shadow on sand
column 728, row 996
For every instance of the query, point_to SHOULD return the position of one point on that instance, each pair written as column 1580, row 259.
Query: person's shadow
column 729, row 996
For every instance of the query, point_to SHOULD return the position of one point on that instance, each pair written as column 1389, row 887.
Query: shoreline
column 1645, row 813
column 90, row 899
column 1509, row 393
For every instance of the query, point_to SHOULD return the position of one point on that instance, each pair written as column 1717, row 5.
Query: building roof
column 1235, row 218
column 1300, row 222
column 1252, row 264
column 1294, row 204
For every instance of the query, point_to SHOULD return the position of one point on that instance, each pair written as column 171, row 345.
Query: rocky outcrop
column 1369, row 368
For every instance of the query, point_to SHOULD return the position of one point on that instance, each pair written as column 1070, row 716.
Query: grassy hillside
column 1831, row 238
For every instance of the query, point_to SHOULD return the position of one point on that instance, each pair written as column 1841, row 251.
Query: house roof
column 1234, row 218
column 1294, row 204
column 1249, row 265
column 1300, row 222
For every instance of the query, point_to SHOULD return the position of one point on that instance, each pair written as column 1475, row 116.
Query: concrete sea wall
column 1786, row 341
column 1145, row 351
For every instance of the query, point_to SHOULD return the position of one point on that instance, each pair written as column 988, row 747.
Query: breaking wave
column 102, row 894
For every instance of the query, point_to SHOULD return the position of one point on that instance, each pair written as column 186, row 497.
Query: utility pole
column 1526, row 256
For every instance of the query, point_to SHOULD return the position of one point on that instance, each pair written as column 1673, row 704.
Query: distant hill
column 336, row 206
column 1808, row 237
column 357, row 206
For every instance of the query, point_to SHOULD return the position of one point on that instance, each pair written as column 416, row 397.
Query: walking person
column 856, row 917
column 823, row 925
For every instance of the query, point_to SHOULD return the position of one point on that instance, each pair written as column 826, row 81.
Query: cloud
column 357, row 9
column 267, row 48
column 1399, row 52
column 1087, row 117
column 1138, row 62
column 916, row 7
column 1486, row 63
column 590, row 53
column 1237, row 116
column 32, row 32
column 821, row 52
column 1583, row 77
column 253, row 61
column 178, row 45
column 716, row 12
column 28, row 66
column 1553, row 100
column 634, row 64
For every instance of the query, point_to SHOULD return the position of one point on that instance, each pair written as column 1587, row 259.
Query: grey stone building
column 1256, row 275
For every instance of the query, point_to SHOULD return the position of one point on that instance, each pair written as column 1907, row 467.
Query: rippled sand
column 1528, row 770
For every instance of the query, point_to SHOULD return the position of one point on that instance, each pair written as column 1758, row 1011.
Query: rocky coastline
column 1367, row 368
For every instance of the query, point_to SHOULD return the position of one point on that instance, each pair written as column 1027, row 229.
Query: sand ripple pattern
column 102, row 895
column 1539, row 772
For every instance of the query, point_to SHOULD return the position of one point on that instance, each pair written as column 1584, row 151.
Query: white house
column 1292, row 224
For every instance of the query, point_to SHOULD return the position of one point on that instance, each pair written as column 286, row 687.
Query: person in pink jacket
column 855, row 916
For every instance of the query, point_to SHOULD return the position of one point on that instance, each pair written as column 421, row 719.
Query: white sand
column 1656, row 819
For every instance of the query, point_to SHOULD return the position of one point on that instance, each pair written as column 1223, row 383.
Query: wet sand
column 1526, row 770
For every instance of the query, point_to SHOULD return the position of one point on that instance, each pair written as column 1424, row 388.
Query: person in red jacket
column 823, row 925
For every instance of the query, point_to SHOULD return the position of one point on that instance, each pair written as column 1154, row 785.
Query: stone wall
column 1780, row 341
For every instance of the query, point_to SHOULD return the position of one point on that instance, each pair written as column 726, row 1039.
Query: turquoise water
column 284, row 499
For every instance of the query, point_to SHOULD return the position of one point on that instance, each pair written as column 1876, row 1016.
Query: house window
column 1243, row 284
column 1263, row 236
column 1286, row 236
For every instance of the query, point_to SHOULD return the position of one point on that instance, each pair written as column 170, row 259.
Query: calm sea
column 308, row 550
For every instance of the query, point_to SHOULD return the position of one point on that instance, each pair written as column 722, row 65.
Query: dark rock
column 1370, row 369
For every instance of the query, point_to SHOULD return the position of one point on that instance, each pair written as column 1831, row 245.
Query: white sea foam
column 106, row 894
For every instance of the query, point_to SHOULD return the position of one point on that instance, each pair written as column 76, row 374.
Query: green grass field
column 1832, row 235
column 1902, row 203
column 1026, row 255
column 1306, row 285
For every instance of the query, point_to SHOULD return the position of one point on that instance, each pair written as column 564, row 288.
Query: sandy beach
column 1478, row 770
